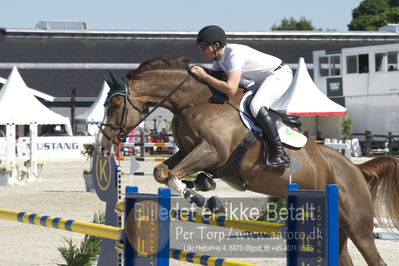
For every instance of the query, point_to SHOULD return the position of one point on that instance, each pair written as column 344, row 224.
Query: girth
column 230, row 171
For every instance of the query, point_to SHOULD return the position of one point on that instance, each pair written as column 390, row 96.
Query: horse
column 207, row 134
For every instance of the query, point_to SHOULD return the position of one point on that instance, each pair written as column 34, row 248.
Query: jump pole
column 98, row 230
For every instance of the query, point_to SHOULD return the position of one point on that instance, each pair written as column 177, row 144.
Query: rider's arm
column 228, row 87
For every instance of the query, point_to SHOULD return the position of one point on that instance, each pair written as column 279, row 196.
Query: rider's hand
column 199, row 72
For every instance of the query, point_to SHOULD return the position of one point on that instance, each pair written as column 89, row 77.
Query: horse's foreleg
column 161, row 171
column 203, row 156
column 203, row 182
column 177, row 166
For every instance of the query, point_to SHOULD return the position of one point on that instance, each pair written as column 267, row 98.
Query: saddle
column 290, row 120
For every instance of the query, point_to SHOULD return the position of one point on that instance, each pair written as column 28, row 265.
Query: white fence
column 3, row 147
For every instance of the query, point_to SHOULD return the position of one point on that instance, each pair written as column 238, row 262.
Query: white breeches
column 271, row 89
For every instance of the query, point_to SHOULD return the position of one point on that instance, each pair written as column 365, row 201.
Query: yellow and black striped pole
column 99, row 230
column 201, row 259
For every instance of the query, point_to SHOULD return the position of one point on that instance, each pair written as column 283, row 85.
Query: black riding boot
column 276, row 156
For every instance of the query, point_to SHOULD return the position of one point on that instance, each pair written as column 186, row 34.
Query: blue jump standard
column 324, row 248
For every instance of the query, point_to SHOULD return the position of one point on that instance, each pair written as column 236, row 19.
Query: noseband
column 125, row 93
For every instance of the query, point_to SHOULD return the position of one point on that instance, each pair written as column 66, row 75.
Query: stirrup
column 286, row 158
column 272, row 165
column 282, row 160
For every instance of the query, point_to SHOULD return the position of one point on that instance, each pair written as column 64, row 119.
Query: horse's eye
column 115, row 105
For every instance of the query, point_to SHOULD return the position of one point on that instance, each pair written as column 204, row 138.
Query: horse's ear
column 119, row 83
column 107, row 79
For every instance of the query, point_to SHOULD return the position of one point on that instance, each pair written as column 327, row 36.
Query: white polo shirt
column 254, row 64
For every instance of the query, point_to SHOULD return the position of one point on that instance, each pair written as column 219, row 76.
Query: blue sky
column 232, row 15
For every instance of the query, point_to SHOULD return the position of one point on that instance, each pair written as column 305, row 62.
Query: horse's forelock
column 160, row 62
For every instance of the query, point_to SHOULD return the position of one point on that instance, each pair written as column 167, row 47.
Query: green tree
column 346, row 128
column 373, row 14
column 293, row 24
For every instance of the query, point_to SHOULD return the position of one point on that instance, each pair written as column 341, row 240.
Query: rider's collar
column 223, row 54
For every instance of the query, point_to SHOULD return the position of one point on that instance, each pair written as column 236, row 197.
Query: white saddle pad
column 288, row 135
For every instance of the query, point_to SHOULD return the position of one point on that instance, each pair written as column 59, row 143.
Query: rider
column 242, row 63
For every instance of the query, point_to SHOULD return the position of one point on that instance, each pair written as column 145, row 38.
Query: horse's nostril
column 103, row 150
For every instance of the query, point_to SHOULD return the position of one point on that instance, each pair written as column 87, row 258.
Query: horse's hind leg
column 344, row 256
column 357, row 222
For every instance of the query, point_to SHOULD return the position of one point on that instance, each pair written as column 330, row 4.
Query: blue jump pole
column 333, row 224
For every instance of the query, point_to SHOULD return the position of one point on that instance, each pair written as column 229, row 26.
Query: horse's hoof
column 189, row 184
column 204, row 183
column 194, row 197
column 161, row 174
column 215, row 205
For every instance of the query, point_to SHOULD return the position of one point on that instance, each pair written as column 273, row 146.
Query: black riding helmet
column 211, row 34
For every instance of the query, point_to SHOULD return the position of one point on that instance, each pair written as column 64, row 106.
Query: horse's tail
column 382, row 176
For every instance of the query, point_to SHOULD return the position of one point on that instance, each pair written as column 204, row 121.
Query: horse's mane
column 160, row 62
column 163, row 62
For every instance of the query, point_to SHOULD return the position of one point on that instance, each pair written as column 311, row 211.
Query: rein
column 124, row 132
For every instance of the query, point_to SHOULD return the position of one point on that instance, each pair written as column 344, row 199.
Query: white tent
column 34, row 92
column 20, row 107
column 95, row 114
column 304, row 98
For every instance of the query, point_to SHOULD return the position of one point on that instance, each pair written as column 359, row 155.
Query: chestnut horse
column 207, row 134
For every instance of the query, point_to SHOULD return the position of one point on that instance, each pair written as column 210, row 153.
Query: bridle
column 126, row 99
column 125, row 93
